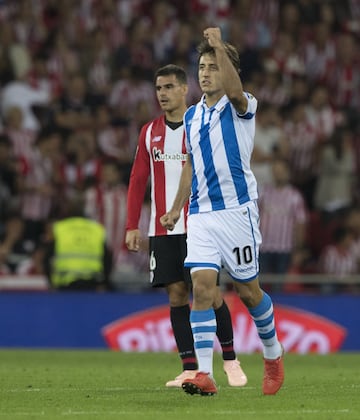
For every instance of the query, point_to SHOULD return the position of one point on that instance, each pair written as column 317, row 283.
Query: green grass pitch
column 102, row 385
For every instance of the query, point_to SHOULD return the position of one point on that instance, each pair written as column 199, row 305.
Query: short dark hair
column 205, row 48
column 172, row 69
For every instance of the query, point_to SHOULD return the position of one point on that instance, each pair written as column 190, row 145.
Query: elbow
column 239, row 101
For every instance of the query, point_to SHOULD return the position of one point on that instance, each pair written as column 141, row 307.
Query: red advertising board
column 299, row 331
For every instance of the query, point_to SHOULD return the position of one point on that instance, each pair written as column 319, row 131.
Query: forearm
column 226, row 58
column 184, row 189
column 229, row 76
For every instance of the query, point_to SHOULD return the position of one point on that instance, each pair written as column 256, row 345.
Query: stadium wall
column 140, row 321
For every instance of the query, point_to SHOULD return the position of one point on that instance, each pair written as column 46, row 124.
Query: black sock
column 180, row 321
column 225, row 331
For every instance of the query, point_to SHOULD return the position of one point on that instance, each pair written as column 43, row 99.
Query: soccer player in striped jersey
column 223, row 216
column 160, row 155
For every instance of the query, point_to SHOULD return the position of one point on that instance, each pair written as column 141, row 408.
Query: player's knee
column 179, row 294
column 250, row 294
column 203, row 294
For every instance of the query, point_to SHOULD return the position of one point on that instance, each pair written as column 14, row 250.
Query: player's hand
column 168, row 220
column 213, row 35
column 132, row 240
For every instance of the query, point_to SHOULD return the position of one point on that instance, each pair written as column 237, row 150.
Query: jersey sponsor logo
column 156, row 139
column 159, row 156
column 299, row 331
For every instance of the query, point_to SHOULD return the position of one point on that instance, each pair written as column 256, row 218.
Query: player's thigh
column 238, row 237
column 202, row 249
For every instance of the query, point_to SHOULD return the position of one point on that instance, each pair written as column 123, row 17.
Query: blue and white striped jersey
column 220, row 142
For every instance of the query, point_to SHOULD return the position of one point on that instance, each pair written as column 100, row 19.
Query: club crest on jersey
column 156, row 139
column 160, row 156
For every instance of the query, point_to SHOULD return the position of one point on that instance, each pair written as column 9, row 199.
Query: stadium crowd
column 76, row 85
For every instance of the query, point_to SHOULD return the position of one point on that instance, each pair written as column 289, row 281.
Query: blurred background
column 76, row 85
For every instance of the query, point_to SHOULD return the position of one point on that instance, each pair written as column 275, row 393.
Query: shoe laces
column 232, row 364
column 271, row 370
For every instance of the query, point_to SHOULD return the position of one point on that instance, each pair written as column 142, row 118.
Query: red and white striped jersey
column 108, row 207
column 303, row 141
column 37, row 172
column 280, row 209
column 160, row 154
column 74, row 176
column 337, row 262
column 22, row 141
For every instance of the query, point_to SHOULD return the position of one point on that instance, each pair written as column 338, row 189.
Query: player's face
column 170, row 93
column 209, row 77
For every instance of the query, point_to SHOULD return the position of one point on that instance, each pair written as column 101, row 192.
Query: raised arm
column 229, row 74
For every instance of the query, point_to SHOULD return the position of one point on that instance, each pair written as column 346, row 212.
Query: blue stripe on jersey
column 199, row 264
column 194, row 183
column 194, row 189
column 246, row 116
column 233, row 153
column 188, row 119
column 211, row 176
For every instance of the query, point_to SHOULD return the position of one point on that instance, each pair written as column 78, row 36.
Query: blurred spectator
column 137, row 52
column 344, row 78
column 269, row 143
column 338, row 261
column 303, row 151
column 40, row 75
column 81, row 166
column 63, row 59
column 96, row 59
column 298, row 92
column 290, row 18
column 352, row 222
column 20, row 93
column 106, row 203
column 28, row 24
column 183, row 49
column 38, row 189
column 77, row 256
column 335, row 188
column 17, row 52
column 321, row 114
column 129, row 91
column 163, row 29
column 10, row 237
column 32, row 264
column 214, row 13
column 113, row 136
column 10, row 168
column 250, row 58
column 287, row 57
column 320, row 53
column 74, row 108
column 272, row 89
column 283, row 218
column 22, row 139
column 256, row 20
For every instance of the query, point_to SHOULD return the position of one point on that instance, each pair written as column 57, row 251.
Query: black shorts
column 167, row 255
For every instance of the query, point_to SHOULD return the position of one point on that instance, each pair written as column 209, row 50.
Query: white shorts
column 225, row 238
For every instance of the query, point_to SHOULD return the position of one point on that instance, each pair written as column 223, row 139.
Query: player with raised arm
column 223, row 216
column 160, row 155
